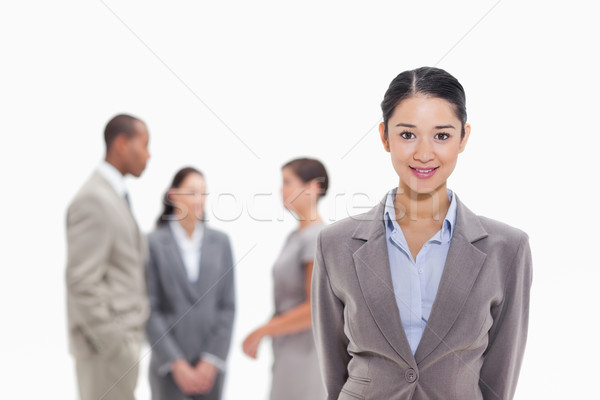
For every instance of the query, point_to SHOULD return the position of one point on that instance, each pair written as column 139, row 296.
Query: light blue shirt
column 416, row 281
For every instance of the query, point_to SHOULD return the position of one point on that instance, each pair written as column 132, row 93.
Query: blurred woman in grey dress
column 296, row 373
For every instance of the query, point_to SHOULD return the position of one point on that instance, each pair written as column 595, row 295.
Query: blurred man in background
column 106, row 295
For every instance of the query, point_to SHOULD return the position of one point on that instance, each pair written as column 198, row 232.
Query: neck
column 412, row 207
column 305, row 223
column 112, row 160
column 189, row 224
column 308, row 216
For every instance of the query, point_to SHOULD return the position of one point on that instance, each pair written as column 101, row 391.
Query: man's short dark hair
column 120, row 124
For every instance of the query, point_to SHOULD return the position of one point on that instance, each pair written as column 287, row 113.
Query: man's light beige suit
column 106, row 295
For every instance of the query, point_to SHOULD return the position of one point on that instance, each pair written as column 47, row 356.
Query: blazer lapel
column 173, row 255
column 462, row 267
column 123, row 208
column 207, row 264
column 373, row 270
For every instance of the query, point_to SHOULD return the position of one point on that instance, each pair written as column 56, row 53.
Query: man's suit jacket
column 188, row 319
column 106, row 291
column 474, row 341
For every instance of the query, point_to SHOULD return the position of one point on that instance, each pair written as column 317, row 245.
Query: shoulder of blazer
column 95, row 191
column 362, row 226
column 160, row 234
column 501, row 228
column 486, row 233
column 163, row 233
column 215, row 234
column 501, row 234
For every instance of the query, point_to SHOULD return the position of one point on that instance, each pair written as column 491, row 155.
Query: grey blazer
column 106, row 291
column 188, row 319
column 475, row 338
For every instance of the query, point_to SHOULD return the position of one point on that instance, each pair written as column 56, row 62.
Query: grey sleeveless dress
column 296, row 373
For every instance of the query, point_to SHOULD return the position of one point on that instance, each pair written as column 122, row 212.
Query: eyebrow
column 437, row 127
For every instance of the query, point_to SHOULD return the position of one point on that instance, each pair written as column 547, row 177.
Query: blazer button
column 410, row 375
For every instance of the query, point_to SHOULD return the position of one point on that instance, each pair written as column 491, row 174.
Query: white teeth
column 424, row 171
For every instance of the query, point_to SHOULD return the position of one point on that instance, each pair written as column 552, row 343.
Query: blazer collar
column 460, row 271
column 374, row 277
column 372, row 223
column 100, row 182
column 113, row 176
column 462, row 267
column 176, row 261
column 194, row 290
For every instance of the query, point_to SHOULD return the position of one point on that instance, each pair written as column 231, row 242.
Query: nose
column 423, row 151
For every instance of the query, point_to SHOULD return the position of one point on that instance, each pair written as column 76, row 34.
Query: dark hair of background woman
column 308, row 169
column 429, row 81
column 178, row 179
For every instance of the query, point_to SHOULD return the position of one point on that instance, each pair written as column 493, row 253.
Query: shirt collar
column 445, row 235
column 181, row 235
column 114, row 177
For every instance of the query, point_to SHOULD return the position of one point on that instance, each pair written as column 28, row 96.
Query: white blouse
column 189, row 247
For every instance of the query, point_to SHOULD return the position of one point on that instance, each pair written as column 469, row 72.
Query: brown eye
column 442, row 136
column 407, row 135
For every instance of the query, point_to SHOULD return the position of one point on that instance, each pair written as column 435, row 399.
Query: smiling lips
column 424, row 172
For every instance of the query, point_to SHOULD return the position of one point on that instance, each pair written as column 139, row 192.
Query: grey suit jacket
column 474, row 341
column 188, row 319
column 106, row 291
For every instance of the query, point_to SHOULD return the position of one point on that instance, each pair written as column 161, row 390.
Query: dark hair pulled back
column 308, row 169
column 429, row 81
column 178, row 179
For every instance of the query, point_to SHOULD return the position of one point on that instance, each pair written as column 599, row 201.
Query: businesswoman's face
column 189, row 198
column 424, row 140
column 297, row 195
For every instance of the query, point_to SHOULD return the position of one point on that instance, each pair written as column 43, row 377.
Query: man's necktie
column 127, row 199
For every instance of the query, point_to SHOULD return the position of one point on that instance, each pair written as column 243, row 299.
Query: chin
column 140, row 171
column 432, row 191
column 423, row 189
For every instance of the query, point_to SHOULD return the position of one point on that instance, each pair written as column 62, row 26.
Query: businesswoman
column 295, row 368
column 420, row 298
column 191, row 291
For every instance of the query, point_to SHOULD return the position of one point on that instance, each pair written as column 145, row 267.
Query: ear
column 384, row 139
column 314, row 187
column 465, row 139
column 120, row 143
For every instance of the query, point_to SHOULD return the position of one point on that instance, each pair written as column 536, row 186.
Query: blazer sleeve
column 327, row 312
column 89, row 246
column 508, row 334
column 219, row 340
column 161, row 340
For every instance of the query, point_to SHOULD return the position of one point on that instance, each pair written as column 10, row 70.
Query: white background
column 237, row 88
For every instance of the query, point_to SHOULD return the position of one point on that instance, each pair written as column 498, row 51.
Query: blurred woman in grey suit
column 295, row 368
column 192, row 296
column 420, row 298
